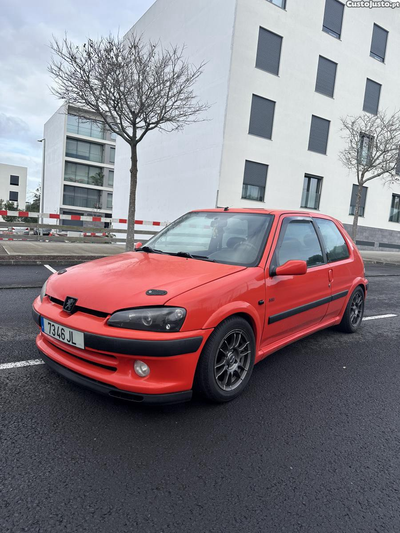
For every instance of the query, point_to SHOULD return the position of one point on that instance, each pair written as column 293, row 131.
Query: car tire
column 354, row 312
column 226, row 363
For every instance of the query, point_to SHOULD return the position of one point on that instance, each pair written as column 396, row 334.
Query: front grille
column 89, row 361
column 78, row 308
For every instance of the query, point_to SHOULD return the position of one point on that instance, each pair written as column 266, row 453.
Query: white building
column 78, row 176
column 280, row 75
column 13, row 181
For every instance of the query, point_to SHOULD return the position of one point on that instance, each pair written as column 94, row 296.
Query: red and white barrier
column 54, row 216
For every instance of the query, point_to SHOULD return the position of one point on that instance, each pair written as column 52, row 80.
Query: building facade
column 78, row 165
column 13, row 183
column 280, row 75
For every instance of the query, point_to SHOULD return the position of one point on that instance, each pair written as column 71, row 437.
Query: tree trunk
column 356, row 212
column 130, row 237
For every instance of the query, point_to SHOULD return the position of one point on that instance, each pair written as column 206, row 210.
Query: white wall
column 5, row 172
column 54, row 135
column 296, row 101
column 180, row 171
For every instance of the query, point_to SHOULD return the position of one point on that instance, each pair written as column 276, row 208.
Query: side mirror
column 138, row 245
column 292, row 268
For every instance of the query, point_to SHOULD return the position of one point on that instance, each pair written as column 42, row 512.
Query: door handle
column 330, row 275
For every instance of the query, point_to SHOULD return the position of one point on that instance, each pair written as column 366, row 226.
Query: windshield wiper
column 191, row 256
column 149, row 250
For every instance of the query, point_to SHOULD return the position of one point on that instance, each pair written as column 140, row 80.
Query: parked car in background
column 206, row 299
column 42, row 231
column 21, row 231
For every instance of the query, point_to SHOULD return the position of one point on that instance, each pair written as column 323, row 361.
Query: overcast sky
column 26, row 28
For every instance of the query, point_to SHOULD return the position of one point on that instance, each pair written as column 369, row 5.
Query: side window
column 336, row 247
column 299, row 242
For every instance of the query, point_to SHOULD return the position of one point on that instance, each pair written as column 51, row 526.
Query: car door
column 340, row 263
column 296, row 303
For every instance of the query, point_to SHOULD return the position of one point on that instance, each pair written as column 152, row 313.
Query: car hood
column 121, row 281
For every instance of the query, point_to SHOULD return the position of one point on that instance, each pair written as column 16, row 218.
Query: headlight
column 169, row 319
column 43, row 291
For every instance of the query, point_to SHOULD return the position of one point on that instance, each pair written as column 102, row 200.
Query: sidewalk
column 32, row 252
column 25, row 253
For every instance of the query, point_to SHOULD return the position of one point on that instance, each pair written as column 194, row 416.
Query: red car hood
column 121, row 281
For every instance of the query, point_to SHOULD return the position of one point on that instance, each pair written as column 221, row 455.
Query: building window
column 279, row 3
column 81, row 197
column 109, row 200
column 326, row 77
column 365, row 150
column 319, row 133
column 254, row 182
column 84, row 150
column 378, row 44
column 372, row 97
column 395, row 209
column 333, row 18
column 311, row 192
column 269, row 51
column 361, row 210
column 112, row 155
column 110, row 178
column 13, row 196
column 84, row 126
column 262, row 117
column 14, row 180
column 83, row 174
column 113, row 135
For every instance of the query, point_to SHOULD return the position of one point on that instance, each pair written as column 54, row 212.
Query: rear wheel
column 354, row 313
column 227, row 361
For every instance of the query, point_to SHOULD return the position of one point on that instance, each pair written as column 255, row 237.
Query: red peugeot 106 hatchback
column 207, row 298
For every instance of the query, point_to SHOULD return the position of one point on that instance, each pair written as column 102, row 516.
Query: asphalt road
column 311, row 446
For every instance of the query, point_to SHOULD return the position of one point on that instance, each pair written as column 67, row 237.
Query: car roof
column 276, row 212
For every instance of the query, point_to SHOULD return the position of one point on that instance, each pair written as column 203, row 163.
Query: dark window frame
column 263, row 188
column 13, row 199
column 371, row 140
column 361, row 212
column 373, row 54
column 395, row 217
column 254, row 116
column 368, row 110
column 313, row 122
column 318, row 82
column 281, row 7
column 260, row 60
column 319, row 181
column 329, row 30
column 15, row 178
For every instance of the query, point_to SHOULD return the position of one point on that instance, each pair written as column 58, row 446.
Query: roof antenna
column 226, row 208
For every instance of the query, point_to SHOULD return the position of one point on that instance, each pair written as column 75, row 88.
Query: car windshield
column 222, row 237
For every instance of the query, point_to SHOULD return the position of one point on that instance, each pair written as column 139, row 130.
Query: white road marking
column 19, row 364
column 378, row 316
column 50, row 268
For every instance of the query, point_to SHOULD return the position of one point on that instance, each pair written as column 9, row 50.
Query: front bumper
column 108, row 390
column 106, row 364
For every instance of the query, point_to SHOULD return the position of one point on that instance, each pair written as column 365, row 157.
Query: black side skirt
column 297, row 310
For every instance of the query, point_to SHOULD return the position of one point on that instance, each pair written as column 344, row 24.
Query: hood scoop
column 156, row 292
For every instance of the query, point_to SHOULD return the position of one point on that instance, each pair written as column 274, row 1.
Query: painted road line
column 19, row 364
column 378, row 316
column 50, row 268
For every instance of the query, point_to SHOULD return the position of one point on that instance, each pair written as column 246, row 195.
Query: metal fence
column 102, row 230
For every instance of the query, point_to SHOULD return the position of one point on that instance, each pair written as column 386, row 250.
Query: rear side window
column 299, row 242
column 336, row 247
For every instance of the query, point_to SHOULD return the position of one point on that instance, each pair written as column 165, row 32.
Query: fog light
column 141, row 369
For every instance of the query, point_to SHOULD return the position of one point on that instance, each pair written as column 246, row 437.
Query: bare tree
column 134, row 86
column 372, row 151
